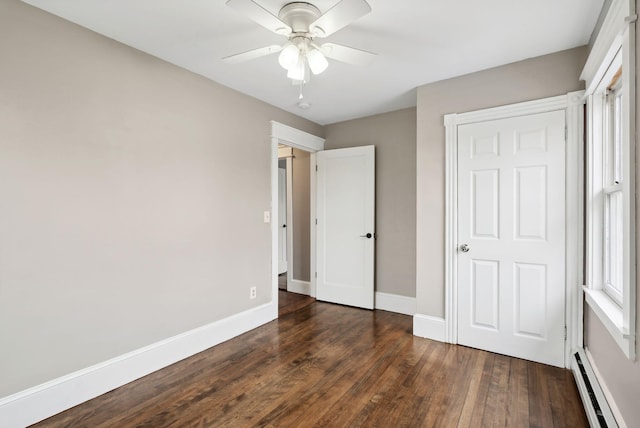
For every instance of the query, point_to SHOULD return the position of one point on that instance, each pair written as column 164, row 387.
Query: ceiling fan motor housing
column 299, row 16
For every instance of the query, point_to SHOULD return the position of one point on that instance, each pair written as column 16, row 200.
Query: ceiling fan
column 302, row 23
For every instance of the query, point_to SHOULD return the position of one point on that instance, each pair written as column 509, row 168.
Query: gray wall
column 131, row 198
column 132, row 195
column 301, row 215
column 394, row 135
column 534, row 78
column 621, row 376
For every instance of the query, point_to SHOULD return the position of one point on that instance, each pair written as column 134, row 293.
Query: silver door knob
column 464, row 248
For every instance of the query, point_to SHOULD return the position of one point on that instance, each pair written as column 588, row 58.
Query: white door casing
column 282, row 220
column 345, row 226
column 511, row 214
column 295, row 138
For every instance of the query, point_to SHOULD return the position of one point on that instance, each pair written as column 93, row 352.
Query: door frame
column 572, row 103
column 286, row 153
column 298, row 139
column 289, row 231
column 287, row 245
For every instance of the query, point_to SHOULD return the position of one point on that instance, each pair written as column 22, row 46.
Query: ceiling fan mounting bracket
column 299, row 16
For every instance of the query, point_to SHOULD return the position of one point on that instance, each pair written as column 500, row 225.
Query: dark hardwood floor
column 291, row 302
column 326, row 365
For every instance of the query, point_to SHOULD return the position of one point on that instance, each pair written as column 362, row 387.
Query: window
column 613, row 191
column 610, row 276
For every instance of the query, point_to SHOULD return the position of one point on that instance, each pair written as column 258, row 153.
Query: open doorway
column 294, row 220
column 283, row 264
column 341, row 233
column 301, row 147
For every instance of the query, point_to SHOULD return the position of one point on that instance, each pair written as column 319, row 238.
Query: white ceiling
column 417, row 42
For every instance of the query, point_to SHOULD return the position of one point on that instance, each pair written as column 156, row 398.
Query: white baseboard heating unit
column 595, row 403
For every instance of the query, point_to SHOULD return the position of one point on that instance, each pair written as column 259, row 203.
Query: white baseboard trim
column 617, row 415
column 40, row 402
column 429, row 327
column 396, row 303
column 596, row 405
column 300, row 287
column 383, row 301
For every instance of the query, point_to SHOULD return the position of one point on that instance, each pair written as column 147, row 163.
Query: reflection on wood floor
column 327, row 365
column 290, row 302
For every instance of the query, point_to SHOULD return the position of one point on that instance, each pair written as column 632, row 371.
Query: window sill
column 612, row 317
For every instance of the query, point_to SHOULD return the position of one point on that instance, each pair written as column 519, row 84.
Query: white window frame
column 614, row 48
column 613, row 183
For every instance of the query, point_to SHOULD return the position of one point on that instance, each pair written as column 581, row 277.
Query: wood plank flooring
column 291, row 302
column 324, row 365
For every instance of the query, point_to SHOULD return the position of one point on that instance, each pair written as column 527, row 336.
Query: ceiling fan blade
column 259, row 14
column 252, row 54
column 347, row 54
column 339, row 16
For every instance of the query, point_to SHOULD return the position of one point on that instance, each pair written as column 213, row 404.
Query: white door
column 282, row 220
column 345, row 229
column 511, row 217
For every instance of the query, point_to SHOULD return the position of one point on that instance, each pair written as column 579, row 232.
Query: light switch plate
column 267, row 217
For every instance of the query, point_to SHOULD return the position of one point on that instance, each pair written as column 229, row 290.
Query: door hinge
column 316, row 168
column 565, row 332
column 316, row 222
column 316, row 274
column 566, row 133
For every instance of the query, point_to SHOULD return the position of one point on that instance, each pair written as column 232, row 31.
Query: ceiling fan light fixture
column 289, row 57
column 297, row 72
column 317, row 61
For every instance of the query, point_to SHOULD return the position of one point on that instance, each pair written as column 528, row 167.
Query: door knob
column 368, row 236
column 284, row 225
column 464, row 248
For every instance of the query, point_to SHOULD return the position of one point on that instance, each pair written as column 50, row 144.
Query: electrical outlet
column 253, row 292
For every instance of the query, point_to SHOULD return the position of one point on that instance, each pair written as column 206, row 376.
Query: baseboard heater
column 595, row 403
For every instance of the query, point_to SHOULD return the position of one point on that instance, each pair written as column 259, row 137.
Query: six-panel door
column 511, row 214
